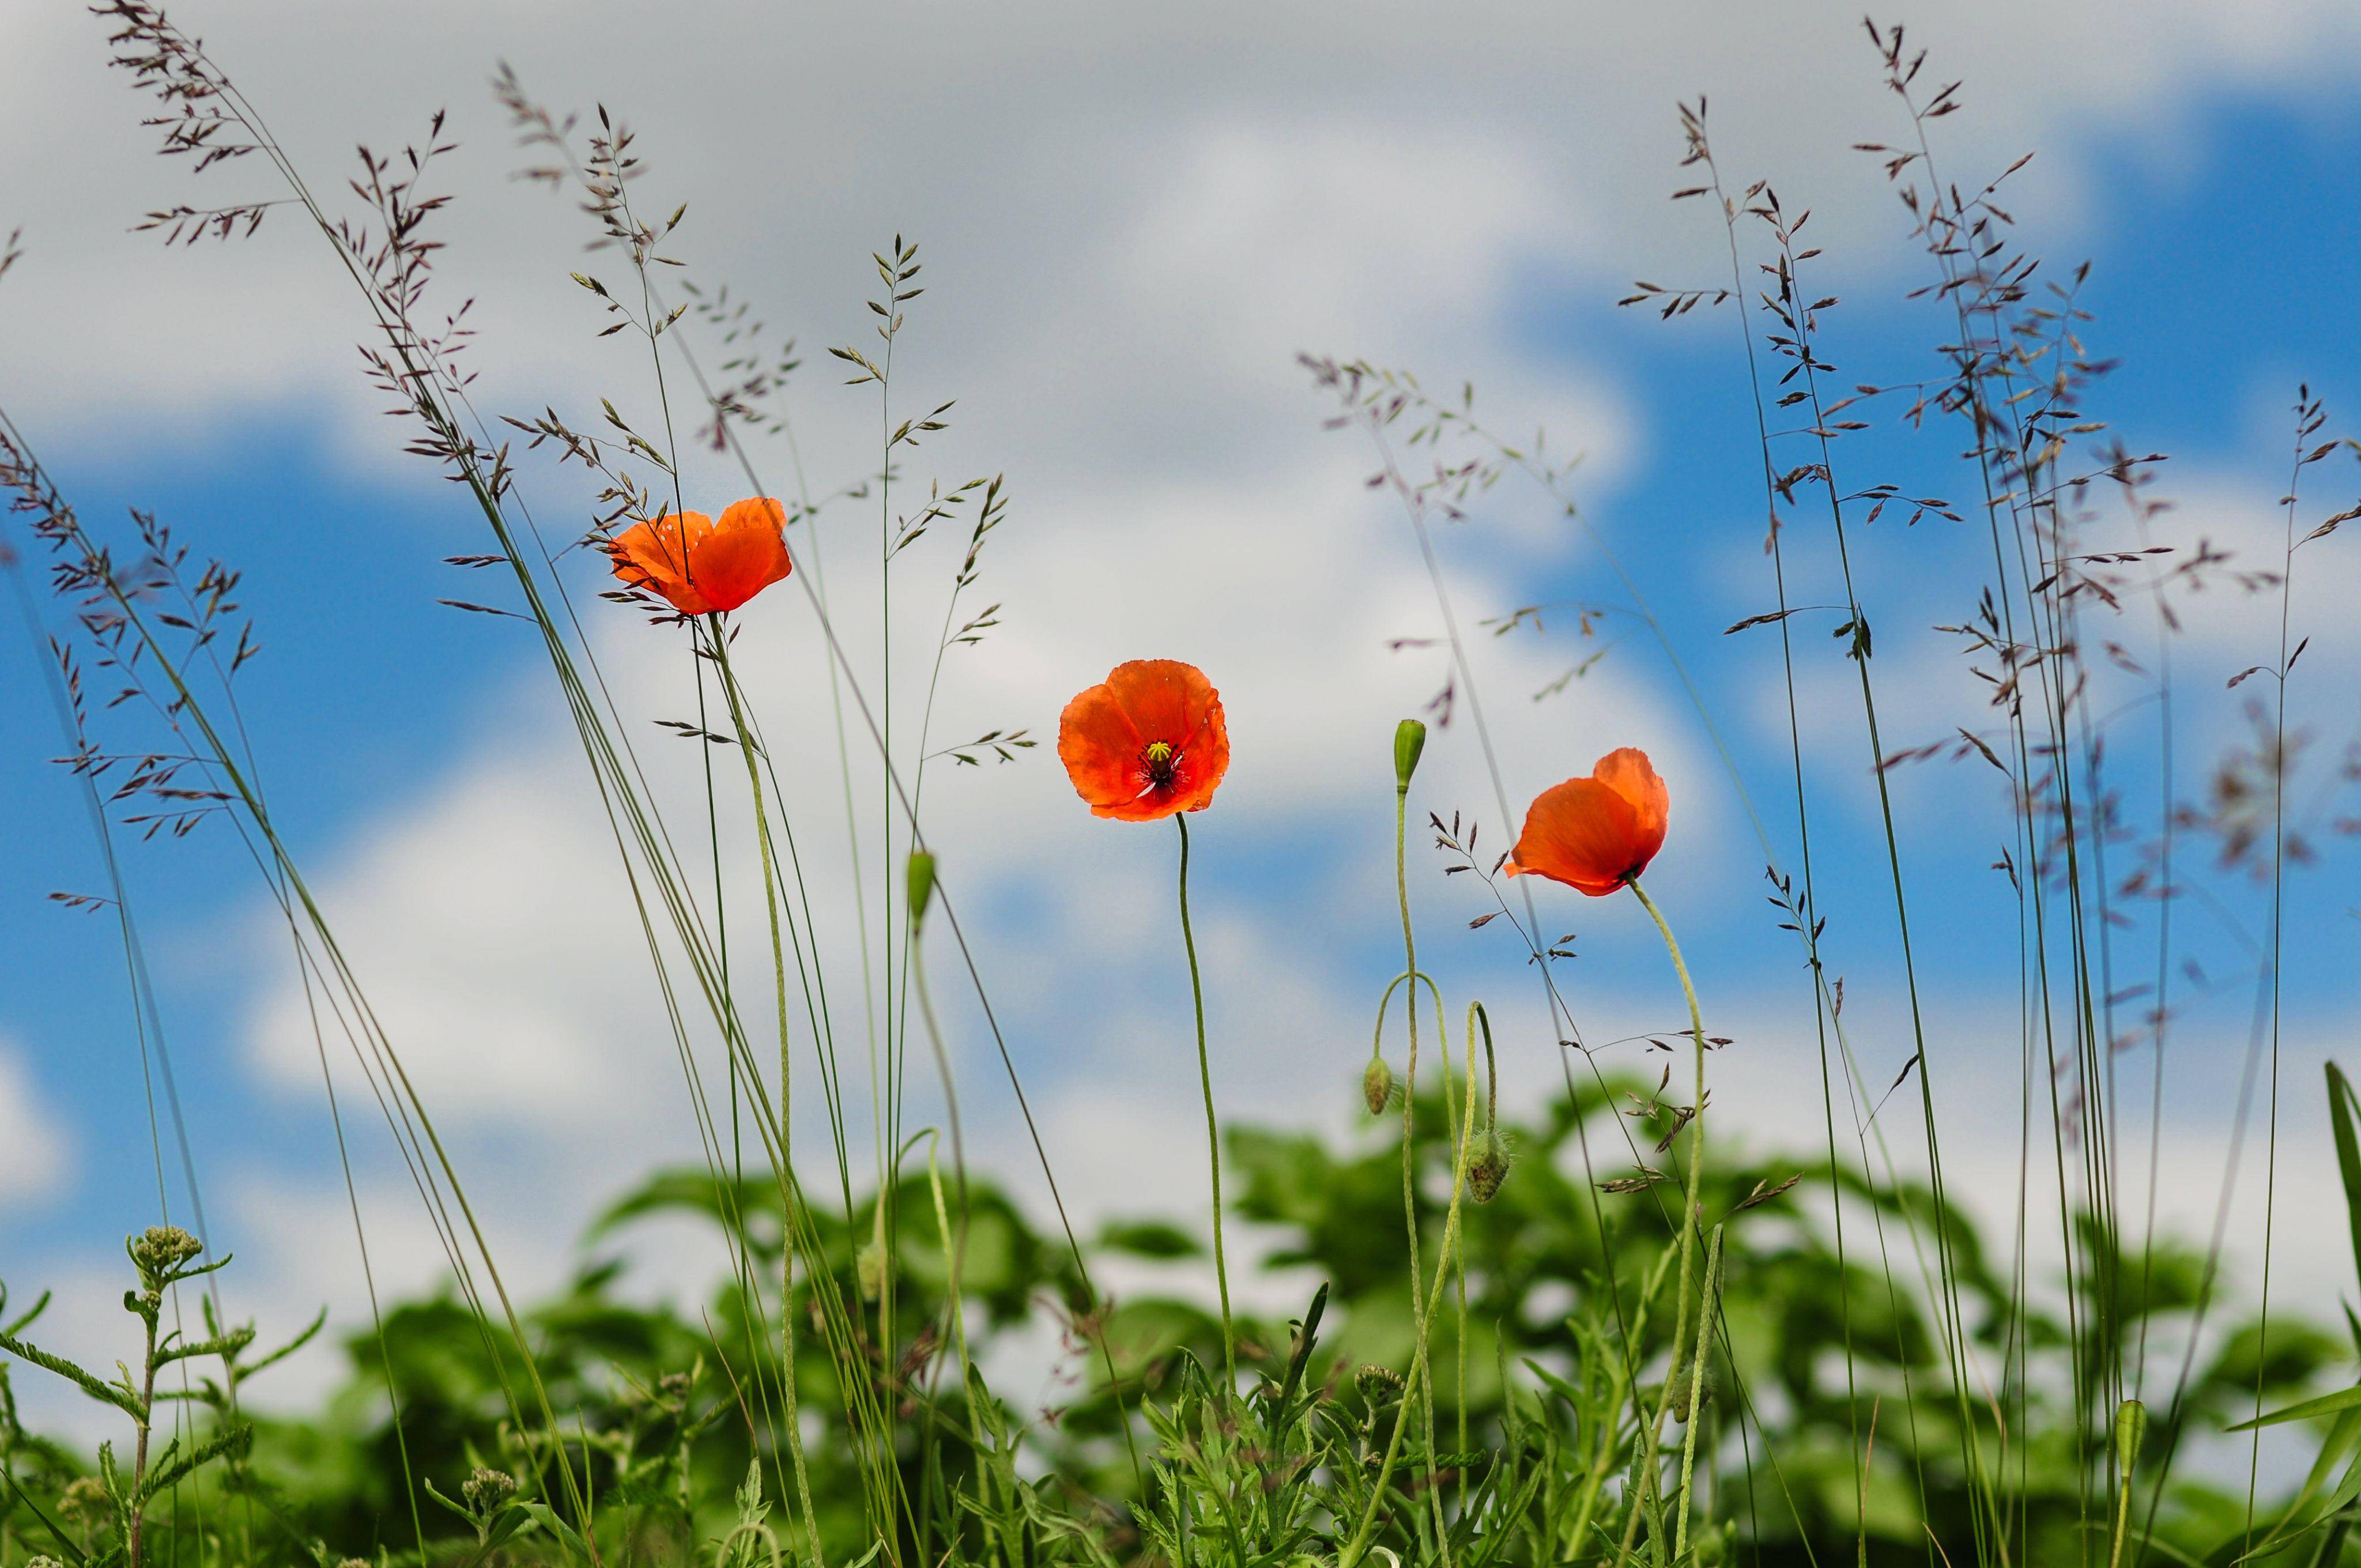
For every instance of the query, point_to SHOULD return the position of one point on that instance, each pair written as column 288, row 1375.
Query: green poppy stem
column 1654, row 1436
column 1212, row 1126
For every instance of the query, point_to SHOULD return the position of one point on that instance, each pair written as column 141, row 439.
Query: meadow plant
column 1608, row 1333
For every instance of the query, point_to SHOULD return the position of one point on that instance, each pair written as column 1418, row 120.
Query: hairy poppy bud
column 1685, row 1386
column 922, row 886
column 869, row 1269
column 1410, row 740
column 1376, row 1085
column 1488, row 1165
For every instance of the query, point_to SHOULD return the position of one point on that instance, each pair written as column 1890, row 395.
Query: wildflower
column 1147, row 742
column 486, row 1491
column 159, row 1251
column 1378, row 1385
column 1595, row 834
column 703, row 567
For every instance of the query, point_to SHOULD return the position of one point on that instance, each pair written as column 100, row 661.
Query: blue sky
column 2221, row 249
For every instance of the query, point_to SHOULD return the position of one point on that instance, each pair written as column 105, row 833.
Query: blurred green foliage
column 1829, row 1421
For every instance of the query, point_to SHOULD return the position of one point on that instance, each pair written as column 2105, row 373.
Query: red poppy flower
column 1148, row 741
column 700, row 567
column 1595, row 834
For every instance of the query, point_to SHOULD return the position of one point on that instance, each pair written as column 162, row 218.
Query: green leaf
column 1148, row 1238
column 566, row 1535
column 169, row 1473
column 2344, row 1114
column 290, row 1348
column 87, row 1382
column 229, row 1343
column 2327, row 1405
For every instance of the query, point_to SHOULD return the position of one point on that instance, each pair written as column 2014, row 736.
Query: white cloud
column 36, row 1155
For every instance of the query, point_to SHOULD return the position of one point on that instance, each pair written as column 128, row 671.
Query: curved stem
column 1423, row 1311
column 1212, row 1126
column 1654, row 1435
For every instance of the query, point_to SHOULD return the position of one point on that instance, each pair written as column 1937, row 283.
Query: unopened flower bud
column 922, row 886
column 1376, row 1085
column 487, row 1490
column 1410, row 740
column 1377, row 1384
column 158, row 1251
column 869, row 1269
column 1686, row 1386
column 1488, row 1165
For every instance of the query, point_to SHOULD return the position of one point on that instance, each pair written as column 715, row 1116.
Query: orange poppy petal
column 1204, row 760
column 1100, row 751
column 741, row 554
column 1165, row 699
column 1581, row 833
column 655, row 556
column 1629, row 773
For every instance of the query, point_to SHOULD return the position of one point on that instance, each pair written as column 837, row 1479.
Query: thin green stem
column 1212, row 1125
column 779, row 966
column 1654, row 1435
column 1697, row 1396
column 1424, row 1309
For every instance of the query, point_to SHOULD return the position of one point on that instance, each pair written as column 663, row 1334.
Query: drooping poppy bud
column 1488, row 1165
column 1376, row 1085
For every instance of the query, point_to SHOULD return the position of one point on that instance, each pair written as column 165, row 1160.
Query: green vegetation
column 1614, row 1335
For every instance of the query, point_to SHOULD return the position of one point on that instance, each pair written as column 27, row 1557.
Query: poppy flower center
column 1160, row 761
